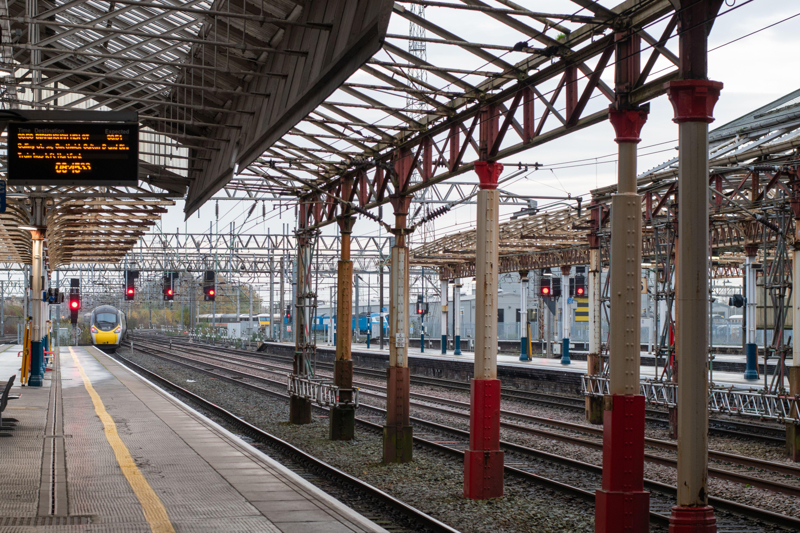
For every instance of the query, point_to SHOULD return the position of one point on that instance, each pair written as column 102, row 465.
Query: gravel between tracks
column 762, row 498
column 431, row 483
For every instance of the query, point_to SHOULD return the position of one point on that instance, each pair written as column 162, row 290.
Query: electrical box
column 772, row 307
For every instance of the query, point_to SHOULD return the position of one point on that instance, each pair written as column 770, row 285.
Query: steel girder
column 443, row 141
column 754, row 200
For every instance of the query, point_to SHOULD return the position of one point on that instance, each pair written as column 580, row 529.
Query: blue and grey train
column 365, row 323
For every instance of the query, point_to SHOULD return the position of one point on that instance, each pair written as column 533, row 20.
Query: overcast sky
column 755, row 71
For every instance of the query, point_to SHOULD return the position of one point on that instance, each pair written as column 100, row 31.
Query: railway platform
column 539, row 372
column 101, row 447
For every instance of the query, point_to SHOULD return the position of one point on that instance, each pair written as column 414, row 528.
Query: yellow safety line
column 154, row 511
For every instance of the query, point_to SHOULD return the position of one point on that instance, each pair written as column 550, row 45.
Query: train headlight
column 93, row 329
column 117, row 329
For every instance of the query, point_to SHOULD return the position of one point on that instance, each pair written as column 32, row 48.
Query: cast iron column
column 792, row 431
column 693, row 99
column 300, row 407
column 483, row 461
column 751, row 349
column 457, row 317
column 622, row 503
column 37, row 326
column 343, row 416
column 397, row 433
column 566, row 319
column 443, row 308
column 594, row 404
column 523, row 316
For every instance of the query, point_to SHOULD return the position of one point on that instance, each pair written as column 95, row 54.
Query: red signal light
column 130, row 290
column 74, row 304
column 169, row 292
column 546, row 291
column 211, row 292
column 580, row 291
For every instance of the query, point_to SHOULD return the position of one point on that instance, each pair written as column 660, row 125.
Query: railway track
column 721, row 427
column 530, row 465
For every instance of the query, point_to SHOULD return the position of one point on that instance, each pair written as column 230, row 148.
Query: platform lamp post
column 693, row 98
column 622, row 503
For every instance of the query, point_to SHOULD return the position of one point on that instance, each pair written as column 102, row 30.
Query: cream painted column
column 483, row 461
column 693, row 101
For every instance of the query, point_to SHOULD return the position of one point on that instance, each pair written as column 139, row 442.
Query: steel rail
column 511, row 394
column 717, row 456
column 526, row 396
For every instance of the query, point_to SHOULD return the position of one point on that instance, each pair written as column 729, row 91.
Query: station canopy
column 753, row 165
column 281, row 99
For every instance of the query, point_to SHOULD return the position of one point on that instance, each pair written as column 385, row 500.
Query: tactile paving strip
column 21, row 452
column 190, row 489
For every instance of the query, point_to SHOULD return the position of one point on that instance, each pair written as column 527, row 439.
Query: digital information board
column 73, row 153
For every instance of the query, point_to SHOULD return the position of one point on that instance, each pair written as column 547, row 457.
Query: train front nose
column 106, row 337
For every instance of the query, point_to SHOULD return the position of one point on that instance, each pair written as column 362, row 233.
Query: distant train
column 222, row 320
column 321, row 323
column 108, row 326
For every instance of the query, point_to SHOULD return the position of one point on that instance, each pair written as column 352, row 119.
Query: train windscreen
column 105, row 320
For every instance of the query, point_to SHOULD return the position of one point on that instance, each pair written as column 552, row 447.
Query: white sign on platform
column 399, row 340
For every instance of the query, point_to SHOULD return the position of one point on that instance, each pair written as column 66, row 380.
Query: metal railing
column 782, row 408
column 321, row 392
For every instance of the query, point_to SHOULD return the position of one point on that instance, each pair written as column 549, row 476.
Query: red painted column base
column 483, row 474
column 398, row 436
column 483, row 462
column 622, row 505
column 692, row 520
column 618, row 512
